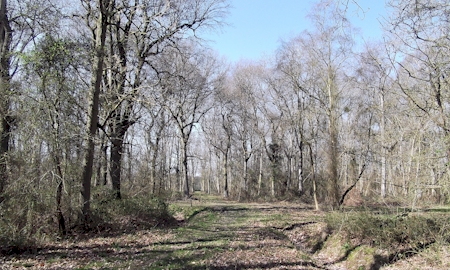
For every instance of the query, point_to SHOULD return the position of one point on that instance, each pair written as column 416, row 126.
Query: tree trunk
column 94, row 93
column 245, row 163
column 116, row 168
column 246, row 174
column 225, row 174
column 313, row 176
column 260, row 172
column 218, row 170
column 102, row 172
column 153, row 167
column 155, row 157
column 288, row 181
column 185, row 169
column 210, row 173
column 118, row 129
column 333, row 187
column 300, row 169
column 60, row 181
column 333, row 153
column 5, row 47
column 383, row 146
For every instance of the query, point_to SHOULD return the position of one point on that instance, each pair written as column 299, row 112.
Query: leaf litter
column 223, row 235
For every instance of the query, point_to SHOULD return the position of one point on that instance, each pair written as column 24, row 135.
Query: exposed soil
column 222, row 235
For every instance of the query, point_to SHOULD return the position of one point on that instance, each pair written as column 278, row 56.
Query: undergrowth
column 25, row 221
column 391, row 231
column 28, row 220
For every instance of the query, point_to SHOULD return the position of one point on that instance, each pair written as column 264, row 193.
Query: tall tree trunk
column 313, row 176
column 5, row 78
column 116, row 168
column 93, row 109
column 164, row 178
column 287, row 182
column 260, row 174
column 246, row 159
column 245, row 163
column 300, row 168
column 185, row 168
column 58, row 157
column 121, row 116
column 210, row 173
column 383, row 146
column 118, row 129
column 60, row 181
column 102, row 171
column 225, row 174
column 218, row 170
column 155, row 156
column 153, row 168
column 333, row 153
column 333, row 187
column 104, row 164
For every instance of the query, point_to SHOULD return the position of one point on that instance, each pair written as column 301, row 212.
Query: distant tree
column 374, row 78
column 244, row 83
column 188, row 81
column 318, row 72
column 218, row 130
column 419, row 39
column 139, row 32
column 287, row 87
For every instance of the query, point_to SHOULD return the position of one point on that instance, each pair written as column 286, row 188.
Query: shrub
column 388, row 230
column 138, row 211
column 25, row 220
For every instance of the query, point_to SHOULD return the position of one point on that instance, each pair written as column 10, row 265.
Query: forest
column 107, row 100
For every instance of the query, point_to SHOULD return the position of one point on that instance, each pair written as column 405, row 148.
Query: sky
column 256, row 27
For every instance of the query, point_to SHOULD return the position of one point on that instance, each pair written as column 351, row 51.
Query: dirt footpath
column 209, row 235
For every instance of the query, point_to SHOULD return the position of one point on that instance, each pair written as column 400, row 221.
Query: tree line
column 124, row 98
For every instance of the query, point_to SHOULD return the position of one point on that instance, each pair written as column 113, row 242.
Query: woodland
column 114, row 106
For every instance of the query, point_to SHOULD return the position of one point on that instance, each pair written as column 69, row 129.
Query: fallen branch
column 341, row 201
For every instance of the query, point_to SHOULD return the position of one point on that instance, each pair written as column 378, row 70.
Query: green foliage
column 52, row 56
column 389, row 230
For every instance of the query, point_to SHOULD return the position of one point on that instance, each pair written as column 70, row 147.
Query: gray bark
column 94, row 93
column 5, row 77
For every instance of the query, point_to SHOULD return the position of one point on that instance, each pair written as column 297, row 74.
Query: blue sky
column 256, row 27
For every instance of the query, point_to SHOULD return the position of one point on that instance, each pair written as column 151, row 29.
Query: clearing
column 214, row 234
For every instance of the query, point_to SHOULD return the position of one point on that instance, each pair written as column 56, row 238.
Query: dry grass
column 217, row 234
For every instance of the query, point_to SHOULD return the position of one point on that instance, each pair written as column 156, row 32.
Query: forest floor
column 214, row 234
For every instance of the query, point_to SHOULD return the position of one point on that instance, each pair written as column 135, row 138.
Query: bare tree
column 20, row 23
column 420, row 37
column 374, row 79
column 293, row 99
column 50, row 65
column 139, row 32
column 104, row 13
column 219, row 130
column 329, row 49
column 244, row 83
column 190, row 79
column 316, row 76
